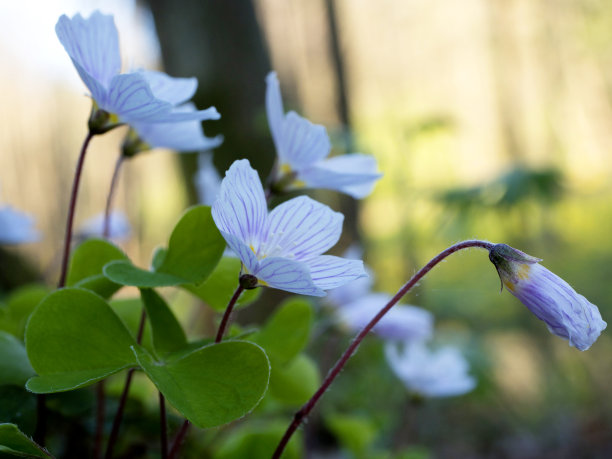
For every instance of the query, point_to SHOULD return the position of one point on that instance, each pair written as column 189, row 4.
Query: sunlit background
column 490, row 119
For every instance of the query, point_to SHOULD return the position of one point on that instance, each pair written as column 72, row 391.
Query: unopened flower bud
column 567, row 314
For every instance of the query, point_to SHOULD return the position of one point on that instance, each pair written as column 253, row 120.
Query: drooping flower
column 119, row 227
column 16, row 227
column 566, row 313
column 440, row 373
column 281, row 249
column 93, row 46
column 303, row 147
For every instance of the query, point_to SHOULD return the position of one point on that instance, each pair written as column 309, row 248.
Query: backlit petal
column 301, row 142
column 302, row 228
column 171, row 89
column 289, row 275
column 274, row 108
column 329, row 272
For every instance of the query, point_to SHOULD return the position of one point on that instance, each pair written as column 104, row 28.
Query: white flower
column 16, row 227
column 303, row 147
column 281, row 249
column 207, row 179
column 439, row 373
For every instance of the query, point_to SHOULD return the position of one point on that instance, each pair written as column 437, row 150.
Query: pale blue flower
column 16, row 227
column 303, row 147
column 402, row 322
column 566, row 313
column 281, row 249
column 93, row 46
column 119, row 227
column 207, row 179
column 440, row 373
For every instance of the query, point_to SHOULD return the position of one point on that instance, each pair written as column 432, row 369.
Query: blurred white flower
column 207, row 179
column 439, row 373
column 16, row 227
column 401, row 323
column 119, row 228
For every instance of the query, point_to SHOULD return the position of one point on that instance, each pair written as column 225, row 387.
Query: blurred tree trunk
column 220, row 43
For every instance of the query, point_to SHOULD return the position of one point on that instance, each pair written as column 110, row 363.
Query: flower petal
column 329, row 272
column 302, row 143
column 354, row 174
column 274, row 108
column 289, row 275
column 207, row 179
column 93, row 46
column 242, row 251
column 131, row 98
column 16, row 227
column 171, row 89
column 240, row 208
column 183, row 136
column 301, row 228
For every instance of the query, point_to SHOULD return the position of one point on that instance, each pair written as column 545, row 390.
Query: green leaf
column 15, row 367
column 168, row 335
column 258, row 441
column 125, row 273
column 214, row 385
column 74, row 339
column 15, row 442
column 294, row 383
column 194, row 250
column 129, row 311
column 287, row 332
column 195, row 246
column 86, row 265
column 356, row 433
column 19, row 306
column 217, row 290
column 18, row 406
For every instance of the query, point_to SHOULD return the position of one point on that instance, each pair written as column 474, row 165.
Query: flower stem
column 100, row 414
column 228, row 312
column 109, row 198
column 309, row 405
column 163, row 426
column 178, row 439
column 71, row 209
column 122, row 401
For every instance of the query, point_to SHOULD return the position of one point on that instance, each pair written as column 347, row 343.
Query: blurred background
column 490, row 119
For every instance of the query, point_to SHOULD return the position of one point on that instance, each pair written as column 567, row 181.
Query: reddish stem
column 163, row 426
column 228, row 312
column 112, row 439
column 71, row 209
column 305, row 410
column 178, row 439
column 109, row 198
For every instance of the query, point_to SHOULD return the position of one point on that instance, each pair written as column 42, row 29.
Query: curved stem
column 109, row 198
column 178, row 439
column 71, row 209
column 305, row 410
column 163, row 426
column 112, row 439
column 100, row 414
column 228, row 312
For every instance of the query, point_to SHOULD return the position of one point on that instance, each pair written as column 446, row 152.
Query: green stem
column 109, row 198
column 335, row 371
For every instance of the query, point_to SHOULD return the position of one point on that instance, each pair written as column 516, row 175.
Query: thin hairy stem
column 178, row 439
column 228, row 312
column 309, row 405
column 109, row 198
column 71, row 209
column 122, row 401
column 100, row 414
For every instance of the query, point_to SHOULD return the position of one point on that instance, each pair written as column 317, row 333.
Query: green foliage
column 258, row 441
column 294, row 383
column 286, row 333
column 356, row 433
column 217, row 290
column 194, row 249
column 214, row 385
column 14, row 365
column 86, row 265
column 19, row 306
column 168, row 335
column 15, row 442
column 74, row 339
